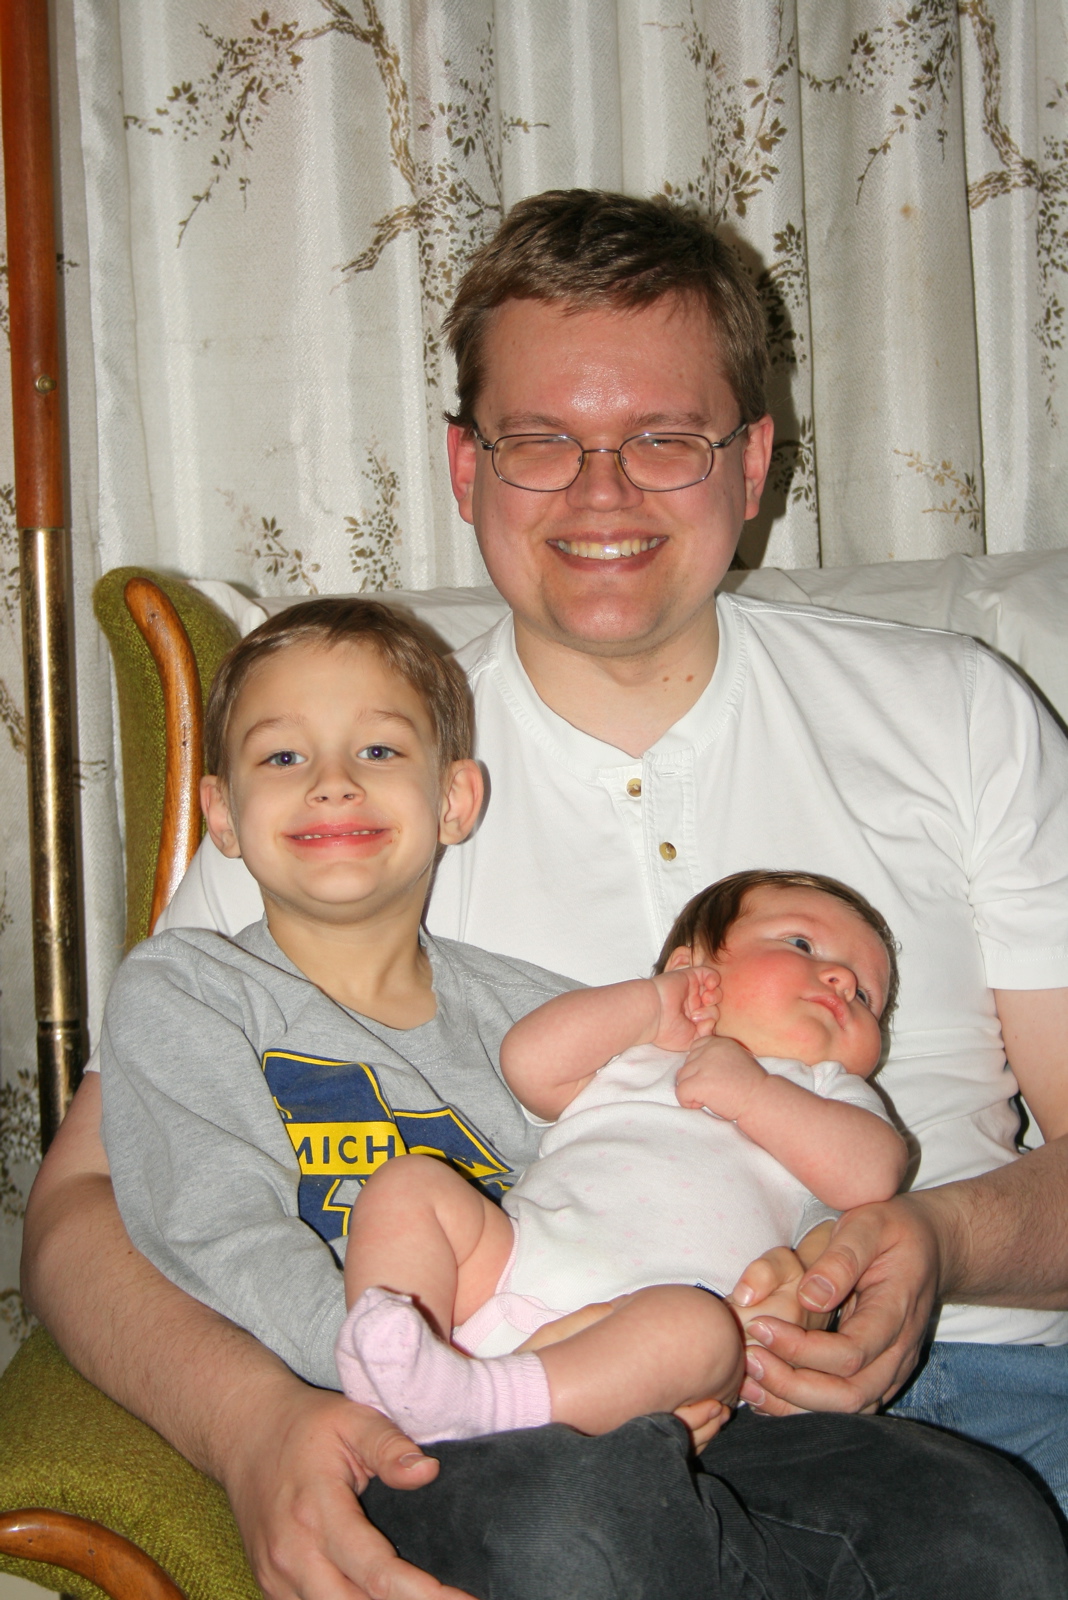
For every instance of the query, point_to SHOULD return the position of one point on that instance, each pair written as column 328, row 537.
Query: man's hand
column 292, row 1483
column 719, row 1075
column 689, row 1006
column 882, row 1267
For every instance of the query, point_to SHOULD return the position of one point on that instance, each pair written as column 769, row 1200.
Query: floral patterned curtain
column 264, row 216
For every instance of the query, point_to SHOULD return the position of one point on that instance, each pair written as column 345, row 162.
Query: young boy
column 251, row 1085
column 637, row 1197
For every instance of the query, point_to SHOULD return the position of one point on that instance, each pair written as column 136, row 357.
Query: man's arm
column 984, row 1241
column 291, row 1458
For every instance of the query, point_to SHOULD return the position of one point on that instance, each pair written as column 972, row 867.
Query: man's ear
column 463, row 455
column 461, row 801
column 215, row 804
column 756, row 461
column 681, row 956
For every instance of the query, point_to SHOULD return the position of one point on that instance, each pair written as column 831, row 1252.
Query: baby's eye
column 376, row 752
column 284, row 758
column 864, row 997
column 801, row 943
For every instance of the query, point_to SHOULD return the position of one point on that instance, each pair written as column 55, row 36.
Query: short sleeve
column 1018, row 869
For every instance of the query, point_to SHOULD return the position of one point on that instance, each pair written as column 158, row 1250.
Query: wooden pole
column 44, row 549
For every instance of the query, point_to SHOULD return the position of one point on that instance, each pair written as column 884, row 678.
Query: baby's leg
column 420, row 1229
column 655, row 1350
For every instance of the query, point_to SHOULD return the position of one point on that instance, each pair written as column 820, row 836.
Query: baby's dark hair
column 403, row 644
column 706, row 922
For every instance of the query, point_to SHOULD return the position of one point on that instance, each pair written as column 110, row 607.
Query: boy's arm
column 845, row 1155
column 552, row 1053
column 203, row 1169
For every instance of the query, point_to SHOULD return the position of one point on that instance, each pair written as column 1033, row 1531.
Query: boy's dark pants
column 815, row 1507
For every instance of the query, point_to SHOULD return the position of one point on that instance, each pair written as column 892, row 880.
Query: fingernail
column 743, row 1295
column 751, row 1393
column 761, row 1333
column 818, row 1292
column 410, row 1459
column 753, row 1364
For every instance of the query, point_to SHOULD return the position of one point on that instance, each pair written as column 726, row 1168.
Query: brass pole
column 25, row 102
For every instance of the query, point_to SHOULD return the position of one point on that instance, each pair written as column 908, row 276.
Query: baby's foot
column 388, row 1357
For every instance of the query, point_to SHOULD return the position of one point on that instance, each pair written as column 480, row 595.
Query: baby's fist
column 719, row 1075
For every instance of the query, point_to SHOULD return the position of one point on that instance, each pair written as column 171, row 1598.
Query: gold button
column 668, row 851
column 634, row 787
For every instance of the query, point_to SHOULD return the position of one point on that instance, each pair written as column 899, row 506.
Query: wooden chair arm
column 116, row 1566
column 163, row 632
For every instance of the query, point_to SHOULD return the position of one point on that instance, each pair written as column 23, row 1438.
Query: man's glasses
column 657, row 462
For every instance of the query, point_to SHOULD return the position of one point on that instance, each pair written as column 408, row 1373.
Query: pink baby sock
column 389, row 1357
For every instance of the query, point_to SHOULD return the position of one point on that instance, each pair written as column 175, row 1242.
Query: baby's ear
column 681, row 956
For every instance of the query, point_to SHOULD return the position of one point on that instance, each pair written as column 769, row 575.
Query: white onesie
column 630, row 1189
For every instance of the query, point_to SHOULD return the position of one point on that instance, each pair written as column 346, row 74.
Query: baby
column 698, row 1119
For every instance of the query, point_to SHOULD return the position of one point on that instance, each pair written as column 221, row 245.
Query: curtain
column 264, row 214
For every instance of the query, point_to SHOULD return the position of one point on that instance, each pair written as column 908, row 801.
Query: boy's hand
column 721, row 1076
column 689, row 1006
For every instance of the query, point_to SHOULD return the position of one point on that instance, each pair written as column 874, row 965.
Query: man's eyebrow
column 637, row 422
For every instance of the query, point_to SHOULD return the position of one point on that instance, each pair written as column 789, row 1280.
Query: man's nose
column 602, row 483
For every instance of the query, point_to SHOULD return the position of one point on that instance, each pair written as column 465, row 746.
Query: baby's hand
column 719, row 1075
column 689, row 1006
column 768, row 1288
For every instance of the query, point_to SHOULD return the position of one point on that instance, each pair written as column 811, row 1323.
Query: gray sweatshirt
column 243, row 1110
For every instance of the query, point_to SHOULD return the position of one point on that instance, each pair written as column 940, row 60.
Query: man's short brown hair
column 587, row 249
column 404, row 645
column 705, row 923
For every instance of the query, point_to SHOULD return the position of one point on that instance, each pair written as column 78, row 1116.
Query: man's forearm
column 186, row 1371
column 996, row 1241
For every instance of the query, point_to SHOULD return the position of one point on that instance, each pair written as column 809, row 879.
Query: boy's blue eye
column 801, row 943
column 376, row 752
column 284, row 758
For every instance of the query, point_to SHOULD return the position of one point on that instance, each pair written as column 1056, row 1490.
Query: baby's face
column 804, row 976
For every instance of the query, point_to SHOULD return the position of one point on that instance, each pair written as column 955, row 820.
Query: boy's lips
column 337, row 833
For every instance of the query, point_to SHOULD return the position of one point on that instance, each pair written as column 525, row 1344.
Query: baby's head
column 338, row 739
column 808, row 969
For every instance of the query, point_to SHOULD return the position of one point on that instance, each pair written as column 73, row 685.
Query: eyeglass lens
column 651, row 460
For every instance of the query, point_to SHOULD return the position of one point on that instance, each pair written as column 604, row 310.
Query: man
column 609, row 444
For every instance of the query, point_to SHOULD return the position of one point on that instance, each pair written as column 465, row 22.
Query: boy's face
column 803, row 976
column 335, row 798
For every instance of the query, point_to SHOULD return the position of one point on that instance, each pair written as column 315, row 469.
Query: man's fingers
column 784, row 1389
column 393, row 1457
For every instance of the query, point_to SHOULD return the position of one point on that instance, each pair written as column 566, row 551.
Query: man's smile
column 618, row 550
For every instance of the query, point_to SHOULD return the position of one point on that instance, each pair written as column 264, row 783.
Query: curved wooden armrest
column 163, row 632
column 115, row 1565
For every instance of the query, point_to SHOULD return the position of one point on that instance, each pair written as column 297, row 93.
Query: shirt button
column 668, row 851
column 634, row 788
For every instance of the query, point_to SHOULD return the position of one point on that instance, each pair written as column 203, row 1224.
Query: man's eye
column 284, row 758
column 801, row 943
column 376, row 752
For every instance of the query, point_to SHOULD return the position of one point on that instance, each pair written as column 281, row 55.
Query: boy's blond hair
column 404, row 645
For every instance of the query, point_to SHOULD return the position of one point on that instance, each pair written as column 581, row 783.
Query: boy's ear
column 681, row 956
column 215, row 805
column 461, row 801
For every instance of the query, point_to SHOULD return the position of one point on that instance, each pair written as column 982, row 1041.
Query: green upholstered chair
column 93, row 1502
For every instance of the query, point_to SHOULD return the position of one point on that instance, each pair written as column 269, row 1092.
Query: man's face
column 604, row 566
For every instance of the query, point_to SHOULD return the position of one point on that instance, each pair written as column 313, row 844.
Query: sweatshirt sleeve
column 204, row 1174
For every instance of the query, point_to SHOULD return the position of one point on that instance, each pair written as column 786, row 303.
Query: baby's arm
column 845, row 1155
column 553, row 1052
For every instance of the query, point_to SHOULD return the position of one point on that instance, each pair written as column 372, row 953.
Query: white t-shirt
column 631, row 1189
column 909, row 763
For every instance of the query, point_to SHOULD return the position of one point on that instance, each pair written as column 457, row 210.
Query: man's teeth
column 604, row 552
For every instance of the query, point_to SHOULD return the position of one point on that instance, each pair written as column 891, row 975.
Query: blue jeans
column 1011, row 1396
column 803, row 1508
